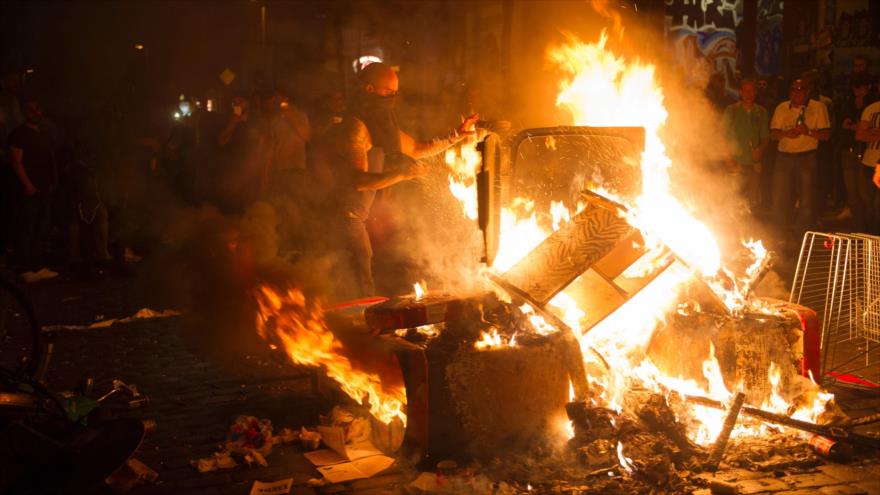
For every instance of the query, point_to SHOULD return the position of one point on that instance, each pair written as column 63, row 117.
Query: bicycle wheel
column 23, row 347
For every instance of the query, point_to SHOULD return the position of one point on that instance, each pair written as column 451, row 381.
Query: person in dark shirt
column 33, row 162
column 858, row 182
column 242, row 144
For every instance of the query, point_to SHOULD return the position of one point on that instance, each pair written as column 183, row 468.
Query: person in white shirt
column 868, row 131
column 798, row 124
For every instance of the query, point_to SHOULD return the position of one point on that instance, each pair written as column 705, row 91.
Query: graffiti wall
column 702, row 33
column 768, row 52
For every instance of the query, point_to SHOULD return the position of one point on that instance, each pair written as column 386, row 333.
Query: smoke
column 430, row 238
column 773, row 286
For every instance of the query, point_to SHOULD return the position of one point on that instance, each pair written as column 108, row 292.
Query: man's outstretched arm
column 422, row 149
column 353, row 148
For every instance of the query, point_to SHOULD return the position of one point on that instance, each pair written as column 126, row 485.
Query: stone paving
column 193, row 399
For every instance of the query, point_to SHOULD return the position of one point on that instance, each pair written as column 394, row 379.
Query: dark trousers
column 357, row 241
column 863, row 197
column 33, row 221
column 794, row 178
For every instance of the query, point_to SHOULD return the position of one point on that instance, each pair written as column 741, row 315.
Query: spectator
column 88, row 227
column 32, row 159
column 716, row 92
column 10, row 105
column 243, row 143
column 329, row 111
column 861, row 64
column 289, row 131
column 868, row 131
column 10, row 118
column 180, row 151
column 748, row 125
column 858, row 180
column 798, row 124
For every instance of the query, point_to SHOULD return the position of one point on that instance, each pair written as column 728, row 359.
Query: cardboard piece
column 342, row 462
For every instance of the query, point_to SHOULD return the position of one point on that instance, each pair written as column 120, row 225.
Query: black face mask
column 382, row 102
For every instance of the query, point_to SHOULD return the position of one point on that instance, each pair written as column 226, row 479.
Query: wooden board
column 569, row 252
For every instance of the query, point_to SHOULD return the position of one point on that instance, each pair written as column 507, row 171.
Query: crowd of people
column 799, row 161
column 226, row 151
column 809, row 159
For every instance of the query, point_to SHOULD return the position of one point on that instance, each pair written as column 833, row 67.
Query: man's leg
column 852, row 177
column 806, row 168
column 26, row 217
column 362, row 253
column 871, row 198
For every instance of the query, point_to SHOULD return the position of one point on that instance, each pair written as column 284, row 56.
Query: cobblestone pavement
column 193, row 399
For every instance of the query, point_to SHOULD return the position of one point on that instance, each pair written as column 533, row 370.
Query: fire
column 418, row 290
column 299, row 327
column 603, row 89
column 463, row 162
column 493, row 340
column 539, row 324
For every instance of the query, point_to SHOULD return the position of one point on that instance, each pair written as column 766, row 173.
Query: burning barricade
column 613, row 326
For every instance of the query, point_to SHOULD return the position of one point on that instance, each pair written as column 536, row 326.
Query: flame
column 463, row 162
column 299, row 327
column 419, row 291
column 599, row 88
column 539, row 324
column 625, row 462
column 602, row 89
column 493, row 340
column 560, row 214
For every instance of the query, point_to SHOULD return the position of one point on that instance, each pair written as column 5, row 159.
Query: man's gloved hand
column 877, row 175
column 467, row 126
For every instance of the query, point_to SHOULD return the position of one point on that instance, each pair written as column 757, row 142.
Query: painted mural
column 768, row 52
column 702, row 34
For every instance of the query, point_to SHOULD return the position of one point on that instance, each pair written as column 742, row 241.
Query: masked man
column 367, row 152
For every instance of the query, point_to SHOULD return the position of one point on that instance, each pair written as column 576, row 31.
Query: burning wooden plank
column 572, row 250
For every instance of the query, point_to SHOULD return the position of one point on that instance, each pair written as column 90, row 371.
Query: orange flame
column 299, row 327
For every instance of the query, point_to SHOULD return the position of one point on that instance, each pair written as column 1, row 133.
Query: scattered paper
column 250, row 440
column 220, row 460
column 335, row 438
column 345, row 462
column 274, row 488
column 131, row 474
column 142, row 314
column 355, row 470
column 41, row 274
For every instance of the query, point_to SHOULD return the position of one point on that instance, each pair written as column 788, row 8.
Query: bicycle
column 48, row 442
